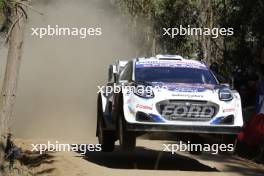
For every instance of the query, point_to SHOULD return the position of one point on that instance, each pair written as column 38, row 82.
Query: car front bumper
column 183, row 128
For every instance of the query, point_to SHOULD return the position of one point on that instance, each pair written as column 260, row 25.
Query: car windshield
column 174, row 75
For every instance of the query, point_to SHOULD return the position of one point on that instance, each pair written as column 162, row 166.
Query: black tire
column 127, row 139
column 105, row 137
column 197, row 140
column 229, row 139
column 198, row 152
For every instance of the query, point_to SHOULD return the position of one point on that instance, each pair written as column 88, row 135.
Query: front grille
column 187, row 110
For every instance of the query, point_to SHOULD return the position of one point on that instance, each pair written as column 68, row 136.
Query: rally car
column 165, row 93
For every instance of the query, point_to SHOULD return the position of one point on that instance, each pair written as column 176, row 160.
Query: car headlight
column 143, row 90
column 225, row 95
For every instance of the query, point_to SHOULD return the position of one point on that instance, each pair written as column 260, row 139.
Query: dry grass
column 30, row 163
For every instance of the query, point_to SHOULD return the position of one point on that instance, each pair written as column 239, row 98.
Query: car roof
column 170, row 60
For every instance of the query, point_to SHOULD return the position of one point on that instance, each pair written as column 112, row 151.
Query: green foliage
column 5, row 13
column 246, row 45
column 173, row 13
column 244, row 48
column 7, row 3
column 2, row 3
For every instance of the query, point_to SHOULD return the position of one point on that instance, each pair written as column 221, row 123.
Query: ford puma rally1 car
column 166, row 93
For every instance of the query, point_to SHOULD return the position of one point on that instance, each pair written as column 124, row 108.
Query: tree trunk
column 205, row 21
column 9, row 89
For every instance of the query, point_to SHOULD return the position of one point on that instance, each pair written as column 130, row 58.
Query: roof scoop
column 169, row 57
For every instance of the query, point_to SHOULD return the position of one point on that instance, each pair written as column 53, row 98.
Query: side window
column 126, row 74
column 129, row 71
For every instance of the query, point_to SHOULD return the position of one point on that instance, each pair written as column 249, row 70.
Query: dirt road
column 57, row 95
column 148, row 159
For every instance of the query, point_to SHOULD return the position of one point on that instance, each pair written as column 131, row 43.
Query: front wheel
column 127, row 139
column 197, row 140
column 106, row 139
column 231, row 141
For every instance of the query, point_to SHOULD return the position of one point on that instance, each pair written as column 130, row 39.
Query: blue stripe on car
column 156, row 118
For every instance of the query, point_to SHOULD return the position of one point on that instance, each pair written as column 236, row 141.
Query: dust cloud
column 59, row 75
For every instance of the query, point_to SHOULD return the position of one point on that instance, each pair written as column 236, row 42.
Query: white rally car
column 165, row 93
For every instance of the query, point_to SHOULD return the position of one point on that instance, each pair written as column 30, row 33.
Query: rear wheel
column 127, row 139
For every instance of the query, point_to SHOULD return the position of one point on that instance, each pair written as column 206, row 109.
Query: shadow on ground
column 146, row 159
column 235, row 164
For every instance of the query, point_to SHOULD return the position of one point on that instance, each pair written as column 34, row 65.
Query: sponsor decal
column 131, row 111
column 188, row 95
column 144, row 107
column 229, row 110
column 177, row 110
column 129, row 101
column 186, row 89
column 181, row 64
column 182, row 87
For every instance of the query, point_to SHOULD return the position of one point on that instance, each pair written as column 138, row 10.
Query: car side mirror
column 225, row 85
column 228, row 85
